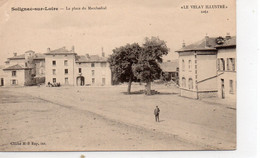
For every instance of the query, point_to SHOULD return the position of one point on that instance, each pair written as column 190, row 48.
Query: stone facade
column 199, row 76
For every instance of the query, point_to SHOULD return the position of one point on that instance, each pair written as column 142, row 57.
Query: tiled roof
column 169, row 66
column 22, row 56
column 16, row 67
column 60, row 51
column 90, row 59
column 209, row 43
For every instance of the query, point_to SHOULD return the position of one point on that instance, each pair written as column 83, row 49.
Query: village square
column 60, row 100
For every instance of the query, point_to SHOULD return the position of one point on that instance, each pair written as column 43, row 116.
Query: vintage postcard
column 110, row 75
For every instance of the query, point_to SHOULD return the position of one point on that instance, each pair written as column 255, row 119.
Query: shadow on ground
column 153, row 92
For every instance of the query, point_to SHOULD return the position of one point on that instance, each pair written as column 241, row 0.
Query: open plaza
column 41, row 118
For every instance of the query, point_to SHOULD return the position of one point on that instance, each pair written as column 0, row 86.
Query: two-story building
column 19, row 69
column 92, row 70
column 198, row 72
column 226, row 68
column 208, row 68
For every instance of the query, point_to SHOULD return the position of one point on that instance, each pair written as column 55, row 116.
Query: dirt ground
column 104, row 118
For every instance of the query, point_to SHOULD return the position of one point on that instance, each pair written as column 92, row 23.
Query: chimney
column 72, row 49
column 207, row 41
column 15, row 54
column 228, row 37
column 48, row 50
column 103, row 53
column 87, row 55
column 183, row 44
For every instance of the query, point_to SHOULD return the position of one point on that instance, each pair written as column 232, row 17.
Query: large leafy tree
column 121, row 62
column 147, row 68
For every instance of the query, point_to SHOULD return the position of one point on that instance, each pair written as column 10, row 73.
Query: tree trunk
column 129, row 86
column 148, row 88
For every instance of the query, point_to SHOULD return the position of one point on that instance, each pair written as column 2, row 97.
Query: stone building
column 202, row 67
column 198, row 69
column 19, row 69
column 67, row 68
column 92, row 70
column 226, row 68
column 59, row 66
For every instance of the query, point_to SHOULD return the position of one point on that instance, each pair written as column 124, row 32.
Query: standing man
column 156, row 114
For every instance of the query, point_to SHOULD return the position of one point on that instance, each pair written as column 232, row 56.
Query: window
column 66, row 80
column 228, row 66
column 13, row 73
column 26, row 64
column 79, row 70
column 190, row 65
column 92, row 64
column 231, row 87
column 13, row 82
column 53, row 62
column 183, row 82
column 54, row 71
column 54, row 80
column 65, row 62
column 183, row 65
column 41, row 71
column 93, row 72
column 93, row 80
column 190, row 83
column 221, row 64
column 103, row 81
column 41, row 64
column 103, row 64
column 66, row 71
column 231, row 64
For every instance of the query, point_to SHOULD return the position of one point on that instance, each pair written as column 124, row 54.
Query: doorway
column 222, row 89
column 80, row 81
column 2, row 82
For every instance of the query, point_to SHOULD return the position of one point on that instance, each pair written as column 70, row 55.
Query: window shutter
column 228, row 64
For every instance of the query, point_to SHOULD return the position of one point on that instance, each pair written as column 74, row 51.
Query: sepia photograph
column 103, row 75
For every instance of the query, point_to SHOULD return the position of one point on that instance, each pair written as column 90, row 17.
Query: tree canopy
column 147, row 69
column 121, row 62
column 131, row 63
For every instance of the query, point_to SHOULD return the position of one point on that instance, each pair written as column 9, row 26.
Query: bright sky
column 123, row 22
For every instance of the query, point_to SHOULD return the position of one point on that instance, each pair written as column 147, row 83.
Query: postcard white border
column 248, row 107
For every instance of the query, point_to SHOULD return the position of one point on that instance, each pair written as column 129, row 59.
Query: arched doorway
column 80, row 81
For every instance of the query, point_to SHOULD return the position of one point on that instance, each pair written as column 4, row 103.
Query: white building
column 59, row 66
column 19, row 70
column 67, row 68
column 198, row 72
column 226, row 68
column 207, row 68
column 92, row 70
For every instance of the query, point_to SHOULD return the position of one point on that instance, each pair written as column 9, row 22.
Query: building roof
column 60, row 51
column 90, row 59
column 16, row 67
column 228, row 42
column 39, row 56
column 169, row 66
column 209, row 43
column 22, row 56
